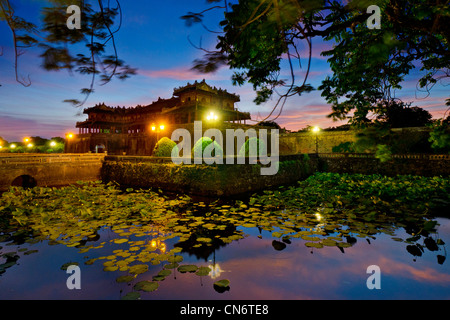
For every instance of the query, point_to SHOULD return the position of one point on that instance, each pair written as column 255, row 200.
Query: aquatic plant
column 324, row 210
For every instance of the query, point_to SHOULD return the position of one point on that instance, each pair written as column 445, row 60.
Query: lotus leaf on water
column 203, row 271
column 224, row 283
column 187, row 268
column 124, row 279
column 133, row 295
column 138, row 269
column 147, row 286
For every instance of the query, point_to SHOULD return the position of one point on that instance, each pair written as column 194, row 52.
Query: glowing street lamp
column 26, row 140
column 52, row 144
column 12, row 146
column 316, row 131
column 69, row 135
column 212, row 116
column 30, row 145
column 157, row 130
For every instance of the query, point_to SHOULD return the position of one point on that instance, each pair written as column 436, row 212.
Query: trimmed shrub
column 163, row 148
column 344, row 147
column 248, row 148
column 202, row 143
column 383, row 153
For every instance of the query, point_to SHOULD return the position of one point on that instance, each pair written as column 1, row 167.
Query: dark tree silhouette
column 402, row 115
column 90, row 50
column 368, row 64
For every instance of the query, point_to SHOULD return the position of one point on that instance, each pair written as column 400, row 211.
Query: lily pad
column 164, row 273
column 119, row 241
column 138, row 269
column 277, row 234
column 329, row 243
column 203, row 271
column 131, row 296
column 187, row 268
column 122, row 279
column 147, row 286
column 314, row 244
column 172, row 265
column 222, row 285
column 175, row 259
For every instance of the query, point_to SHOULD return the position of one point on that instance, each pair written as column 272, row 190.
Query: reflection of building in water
column 134, row 131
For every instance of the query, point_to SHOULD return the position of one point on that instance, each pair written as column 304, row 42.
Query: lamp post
column 157, row 130
column 316, row 131
column 67, row 145
column 212, row 116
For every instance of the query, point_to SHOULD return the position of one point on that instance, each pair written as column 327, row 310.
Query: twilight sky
column 154, row 40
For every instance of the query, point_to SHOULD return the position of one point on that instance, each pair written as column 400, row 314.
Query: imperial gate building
column 135, row 131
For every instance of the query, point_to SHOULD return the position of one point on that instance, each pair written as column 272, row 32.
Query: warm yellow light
column 13, row 146
column 30, row 145
column 215, row 271
column 316, row 129
column 153, row 244
column 26, row 140
column 52, row 144
column 161, row 127
column 211, row 116
column 69, row 136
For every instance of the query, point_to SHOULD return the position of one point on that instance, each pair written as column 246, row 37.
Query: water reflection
column 266, row 251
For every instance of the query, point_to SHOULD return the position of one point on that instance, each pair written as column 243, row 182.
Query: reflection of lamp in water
column 215, row 271
column 318, row 216
column 157, row 244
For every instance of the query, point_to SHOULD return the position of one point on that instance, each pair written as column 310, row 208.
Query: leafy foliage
column 401, row 115
column 164, row 147
column 82, row 51
column 383, row 153
column 344, row 147
column 440, row 136
column 259, row 37
column 199, row 148
column 253, row 147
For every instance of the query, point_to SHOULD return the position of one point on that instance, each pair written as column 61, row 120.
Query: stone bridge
column 30, row 170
